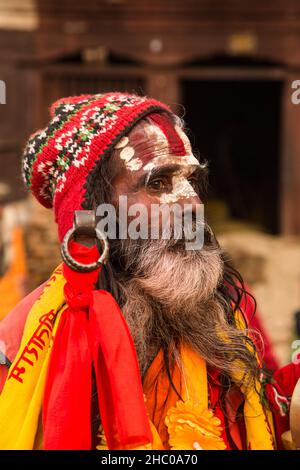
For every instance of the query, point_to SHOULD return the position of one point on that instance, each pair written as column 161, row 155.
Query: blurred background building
column 226, row 66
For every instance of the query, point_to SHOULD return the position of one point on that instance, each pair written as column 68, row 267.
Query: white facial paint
column 127, row 153
column 149, row 133
column 122, row 143
column 181, row 160
column 134, row 164
column 153, row 132
column 181, row 189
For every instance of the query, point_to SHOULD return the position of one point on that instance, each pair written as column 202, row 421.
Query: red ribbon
column 92, row 331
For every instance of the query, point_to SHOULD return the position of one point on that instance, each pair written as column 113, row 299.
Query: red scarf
column 92, row 332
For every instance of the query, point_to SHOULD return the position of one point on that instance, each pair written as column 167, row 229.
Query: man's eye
column 158, row 184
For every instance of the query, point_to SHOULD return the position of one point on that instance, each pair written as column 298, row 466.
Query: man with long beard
column 177, row 367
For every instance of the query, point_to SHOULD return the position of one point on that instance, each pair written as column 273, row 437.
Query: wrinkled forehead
column 153, row 141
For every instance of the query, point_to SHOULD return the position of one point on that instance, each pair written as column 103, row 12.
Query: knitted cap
column 58, row 159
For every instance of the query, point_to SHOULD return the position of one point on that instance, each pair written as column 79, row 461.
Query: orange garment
column 161, row 396
column 12, row 283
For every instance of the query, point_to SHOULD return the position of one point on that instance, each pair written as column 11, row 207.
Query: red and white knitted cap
column 58, row 159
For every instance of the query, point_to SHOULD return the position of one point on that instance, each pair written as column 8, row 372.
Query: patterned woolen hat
column 58, row 159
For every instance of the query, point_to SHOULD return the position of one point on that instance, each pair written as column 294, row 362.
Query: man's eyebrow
column 155, row 172
column 195, row 170
column 162, row 170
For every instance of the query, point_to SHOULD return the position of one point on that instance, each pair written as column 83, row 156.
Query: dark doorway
column 235, row 125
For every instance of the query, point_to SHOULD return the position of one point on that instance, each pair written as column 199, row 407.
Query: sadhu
column 133, row 342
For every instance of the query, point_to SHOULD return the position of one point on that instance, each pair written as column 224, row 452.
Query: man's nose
column 192, row 202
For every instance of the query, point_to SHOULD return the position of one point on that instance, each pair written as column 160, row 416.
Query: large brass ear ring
column 84, row 228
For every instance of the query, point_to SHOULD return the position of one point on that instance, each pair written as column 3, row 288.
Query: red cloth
column 92, row 332
column 229, row 413
column 247, row 305
column 279, row 393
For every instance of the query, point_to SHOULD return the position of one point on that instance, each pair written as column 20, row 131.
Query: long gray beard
column 170, row 294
